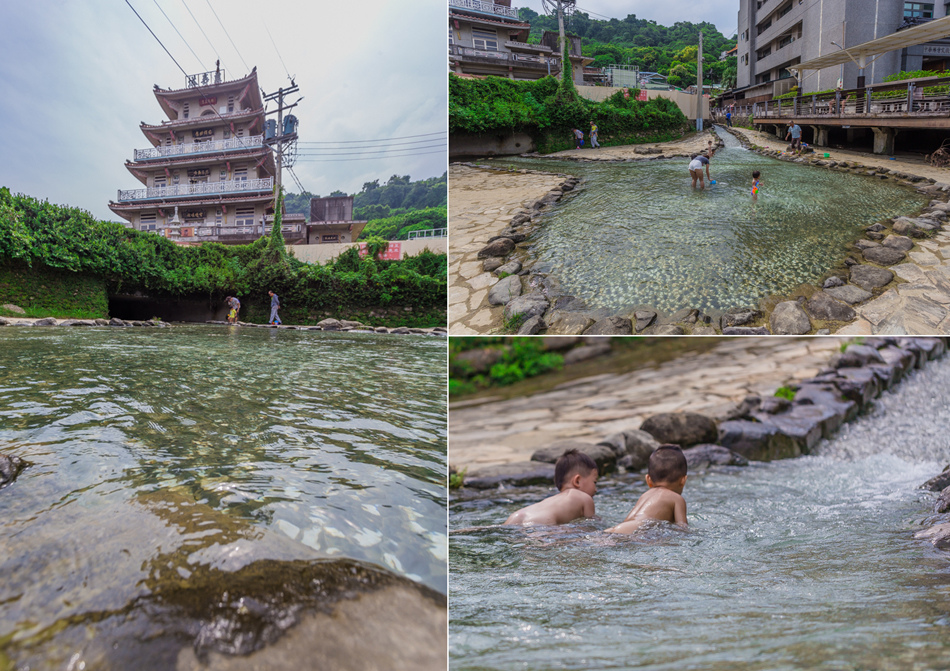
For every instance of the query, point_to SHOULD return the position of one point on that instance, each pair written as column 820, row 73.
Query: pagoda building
column 208, row 174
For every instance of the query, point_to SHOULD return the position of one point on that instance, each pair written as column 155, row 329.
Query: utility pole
column 280, row 138
column 560, row 43
column 699, row 84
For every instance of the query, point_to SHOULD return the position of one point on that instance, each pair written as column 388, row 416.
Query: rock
column 115, row 321
column 505, row 290
column 668, row 330
column 704, row 330
column 899, row 242
column 379, row 329
column 511, row 234
column 634, row 446
column 683, row 429
column 4, row 321
column 756, row 441
column 558, row 343
column 738, row 318
column 643, row 319
column 870, row 277
column 860, row 385
column 938, row 535
column 568, row 323
column 855, row 356
column 511, row 268
column 531, row 327
column 10, row 467
column 938, row 483
column 529, row 305
column 10, row 307
column 741, row 411
column 833, row 281
column 499, row 247
column 788, row 318
column 349, row 324
column 823, row 332
column 906, row 226
column 585, row 352
column 875, row 228
column 330, row 324
column 493, row 263
column 520, row 218
column 822, row 306
column 875, row 236
column 942, row 504
column 603, row 455
column 803, row 424
column 69, row 322
column 772, row 405
column 866, row 244
column 884, row 256
column 47, row 321
column 849, row 293
column 703, row 456
column 611, row 326
column 686, row 316
column 518, row 474
column 746, row 330
column 400, row 330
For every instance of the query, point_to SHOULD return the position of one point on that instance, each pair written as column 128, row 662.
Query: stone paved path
column 481, row 204
column 595, row 407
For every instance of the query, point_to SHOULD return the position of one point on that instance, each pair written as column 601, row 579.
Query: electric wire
column 156, row 38
column 377, row 151
column 228, row 35
column 385, row 139
column 203, row 67
column 216, row 55
column 368, row 158
column 386, row 146
column 286, row 71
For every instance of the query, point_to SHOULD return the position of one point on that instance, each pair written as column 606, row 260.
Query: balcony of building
column 538, row 62
column 198, row 148
column 201, row 189
column 528, row 48
column 779, row 26
column 485, row 7
column 789, row 54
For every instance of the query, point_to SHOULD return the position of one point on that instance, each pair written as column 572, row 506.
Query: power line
column 384, row 146
column 229, row 36
column 377, row 151
column 180, row 35
column 216, row 55
column 385, row 139
column 370, row 158
column 278, row 52
column 156, row 38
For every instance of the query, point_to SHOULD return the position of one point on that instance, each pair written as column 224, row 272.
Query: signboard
column 393, row 252
column 940, row 51
column 643, row 96
column 199, row 172
column 202, row 132
column 210, row 100
column 193, row 214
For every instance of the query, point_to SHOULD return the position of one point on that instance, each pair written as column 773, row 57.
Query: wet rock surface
column 683, row 429
column 10, row 467
column 517, row 474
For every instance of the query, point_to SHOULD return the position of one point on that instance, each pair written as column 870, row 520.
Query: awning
column 862, row 54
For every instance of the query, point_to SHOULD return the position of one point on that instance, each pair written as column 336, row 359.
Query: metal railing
column 505, row 57
column 487, row 7
column 205, row 188
column 204, row 78
column 428, row 233
column 252, row 142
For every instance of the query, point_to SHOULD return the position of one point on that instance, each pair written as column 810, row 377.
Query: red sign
column 210, row 100
column 393, row 252
column 642, row 96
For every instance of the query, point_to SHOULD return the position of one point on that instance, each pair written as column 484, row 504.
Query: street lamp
column 841, row 71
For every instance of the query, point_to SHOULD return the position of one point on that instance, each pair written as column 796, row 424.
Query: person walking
column 795, row 133
column 593, row 135
column 274, row 305
column 235, row 306
column 729, row 116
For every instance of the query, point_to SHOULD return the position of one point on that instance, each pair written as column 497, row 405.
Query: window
column 227, row 133
column 785, row 41
column 184, row 111
column 175, row 177
column 451, row 36
column 918, row 10
column 223, row 175
column 244, row 216
column 784, row 10
column 230, row 104
column 147, row 221
column 159, row 181
column 240, row 174
column 485, row 39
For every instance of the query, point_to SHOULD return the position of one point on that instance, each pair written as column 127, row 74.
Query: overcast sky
column 76, row 79
column 724, row 14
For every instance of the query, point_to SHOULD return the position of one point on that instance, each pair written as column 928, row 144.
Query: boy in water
column 575, row 475
column 755, row 184
column 666, row 477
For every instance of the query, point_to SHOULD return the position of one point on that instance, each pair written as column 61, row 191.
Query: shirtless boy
column 575, row 475
column 666, row 478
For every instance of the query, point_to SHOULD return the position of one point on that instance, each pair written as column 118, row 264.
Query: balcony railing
column 206, row 188
column 486, row 7
column 428, row 233
column 253, row 142
column 505, row 57
column 205, row 78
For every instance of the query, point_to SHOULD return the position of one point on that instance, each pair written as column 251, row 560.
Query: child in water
column 755, row 184
column 666, row 477
column 575, row 475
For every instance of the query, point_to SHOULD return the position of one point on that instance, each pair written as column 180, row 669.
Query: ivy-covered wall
column 46, row 292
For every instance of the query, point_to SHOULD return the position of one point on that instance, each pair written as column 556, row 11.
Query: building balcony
column 484, row 7
column 783, row 56
column 503, row 58
column 523, row 46
column 195, row 148
column 203, row 189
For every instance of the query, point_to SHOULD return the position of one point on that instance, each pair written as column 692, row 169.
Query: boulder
column 330, row 324
column 16, row 309
column 899, row 357
column 870, row 278
column 746, row 330
column 115, row 321
column 866, row 244
column 742, row 410
column 804, row 424
column 498, row 247
column 703, row 456
column 531, row 327
column 860, row 385
column 505, row 290
column 906, row 226
column 938, row 535
column 529, row 305
column 822, row 306
column 756, row 441
column 833, row 281
column 643, row 319
column 788, row 318
column 518, row 474
column 568, row 323
column 772, row 405
column 476, row 361
column 611, row 326
column 585, row 352
column 400, row 330
column 683, row 429
column 510, row 268
column 703, row 330
column 884, row 256
column 938, row 483
column 738, row 318
column 827, row 395
column 899, row 242
column 378, row 329
column 668, row 330
column 10, row 467
column 46, row 321
column 603, row 455
column 849, row 294
column 633, row 446
column 942, row 504
column 855, row 356
column 492, row 263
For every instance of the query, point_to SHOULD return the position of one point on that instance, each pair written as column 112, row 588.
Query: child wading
column 755, row 184
column 575, row 475
column 578, row 137
column 666, row 478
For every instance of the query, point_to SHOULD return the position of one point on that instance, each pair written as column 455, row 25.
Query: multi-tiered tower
column 208, row 176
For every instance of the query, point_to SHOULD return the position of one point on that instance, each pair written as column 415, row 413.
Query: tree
column 369, row 186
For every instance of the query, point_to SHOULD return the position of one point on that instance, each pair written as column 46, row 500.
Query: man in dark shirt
column 274, row 304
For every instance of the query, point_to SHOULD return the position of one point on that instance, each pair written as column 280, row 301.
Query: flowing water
column 807, row 563
column 170, row 468
column 638, row 235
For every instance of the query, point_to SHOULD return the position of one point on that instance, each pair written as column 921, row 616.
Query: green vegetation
column 410, row 292
column 457, row 479
column 46, row 292
column 392, row 209
column 520, row 358
column 641, row 42
column 548, row 109
column 786, row 393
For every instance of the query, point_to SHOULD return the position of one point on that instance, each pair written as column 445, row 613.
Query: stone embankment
column 759, row 428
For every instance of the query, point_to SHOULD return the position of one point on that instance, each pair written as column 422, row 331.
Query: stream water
column 638, row 235
column 219, row 477
column 807, row 563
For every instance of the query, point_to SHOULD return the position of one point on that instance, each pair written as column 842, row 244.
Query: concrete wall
column 465, row 144
column 323, row 253
column 687, row 102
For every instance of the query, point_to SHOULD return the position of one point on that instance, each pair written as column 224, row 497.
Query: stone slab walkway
column 481, row 205
column 710, row 383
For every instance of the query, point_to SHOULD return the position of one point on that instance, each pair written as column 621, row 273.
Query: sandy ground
column 692, row 143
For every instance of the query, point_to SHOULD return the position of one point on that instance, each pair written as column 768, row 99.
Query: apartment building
column 777, row 34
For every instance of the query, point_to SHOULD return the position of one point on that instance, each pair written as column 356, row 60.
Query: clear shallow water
column 637, row 234
column 798, row 564
column 160, row 457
